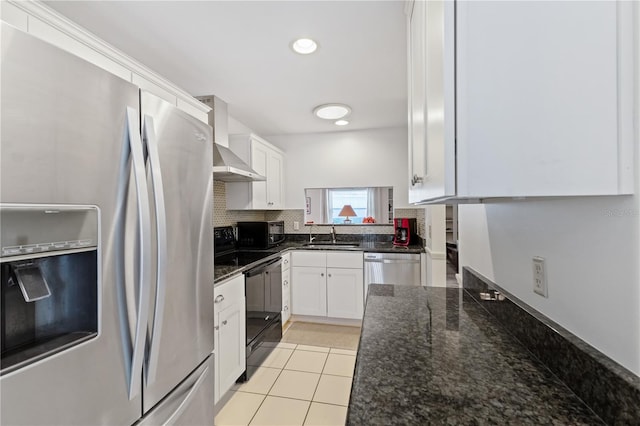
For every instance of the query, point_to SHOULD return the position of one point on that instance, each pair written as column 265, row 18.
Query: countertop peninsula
column 428, row 355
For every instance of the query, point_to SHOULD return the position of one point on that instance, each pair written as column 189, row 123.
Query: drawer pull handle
column 322, row 274
column 224, row 322
column 219, row 299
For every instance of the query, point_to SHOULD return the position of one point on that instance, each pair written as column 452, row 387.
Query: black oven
column 260, row 235
column 263, row 293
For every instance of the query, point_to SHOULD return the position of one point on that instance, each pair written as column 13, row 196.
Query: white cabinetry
column 230, row 333
column 286, row 288
column 500, row 108
column 39, row 20
column 266, row 160
column 327, row 284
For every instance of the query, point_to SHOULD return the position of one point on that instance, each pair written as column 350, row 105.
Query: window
column 338, row 198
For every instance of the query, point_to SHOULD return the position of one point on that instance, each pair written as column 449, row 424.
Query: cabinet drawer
column 309, row 258
column 344, row 259
column 228, row 292
column 286, row 284
column 286, row 261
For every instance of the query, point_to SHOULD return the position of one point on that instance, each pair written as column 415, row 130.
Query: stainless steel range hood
column 227, row 166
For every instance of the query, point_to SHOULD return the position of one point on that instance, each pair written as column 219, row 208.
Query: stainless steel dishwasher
column 391, row 268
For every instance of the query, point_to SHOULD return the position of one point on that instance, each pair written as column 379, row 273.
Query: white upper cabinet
column 266, row 160
column 39, row 20
column 520, row 99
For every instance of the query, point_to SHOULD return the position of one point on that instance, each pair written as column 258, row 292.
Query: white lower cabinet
column 344, row 293
column 230, row 334
column 327, row 284
column 309, row 290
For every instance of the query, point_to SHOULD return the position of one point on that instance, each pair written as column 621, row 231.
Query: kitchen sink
column 327, row 244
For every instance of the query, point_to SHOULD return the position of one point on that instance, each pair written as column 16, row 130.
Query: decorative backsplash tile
column 224, row 217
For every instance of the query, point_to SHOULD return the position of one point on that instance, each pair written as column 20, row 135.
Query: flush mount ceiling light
column 341, row 122
column 332, row 111
column 304, row 46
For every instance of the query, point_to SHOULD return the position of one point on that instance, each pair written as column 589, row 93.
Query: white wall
column 375, row 157
column 592, row 251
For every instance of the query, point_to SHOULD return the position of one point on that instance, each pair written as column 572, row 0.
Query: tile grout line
column 281, row 369
column 271, row 387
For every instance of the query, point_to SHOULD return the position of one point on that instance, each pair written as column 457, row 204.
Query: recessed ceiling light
column 304, row 46
column 341, row 123
column 332, row 111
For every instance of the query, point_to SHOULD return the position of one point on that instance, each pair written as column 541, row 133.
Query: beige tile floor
column 296, row 385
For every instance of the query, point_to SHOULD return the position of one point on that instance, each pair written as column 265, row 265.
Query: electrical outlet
column 296, row 225
column 539, row 277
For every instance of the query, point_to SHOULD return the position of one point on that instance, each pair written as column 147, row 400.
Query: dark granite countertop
column 431, row 356
column 221, row 273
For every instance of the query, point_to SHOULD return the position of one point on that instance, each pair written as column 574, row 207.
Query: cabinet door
column 416, row 98
column 308, row 291
column 538, row 110
column 275, row 181
column 259, row 163
column 431, row 100
column 345, row 293
column 231, row 355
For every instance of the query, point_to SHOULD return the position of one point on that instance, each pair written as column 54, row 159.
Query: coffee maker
column 405, row 231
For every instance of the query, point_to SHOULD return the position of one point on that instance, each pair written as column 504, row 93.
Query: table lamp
column 347, row 211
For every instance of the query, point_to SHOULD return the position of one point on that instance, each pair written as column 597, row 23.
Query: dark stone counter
column 221, row 273
column 429, row 356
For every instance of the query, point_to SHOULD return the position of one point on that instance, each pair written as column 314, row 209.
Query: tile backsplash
column 224, row 217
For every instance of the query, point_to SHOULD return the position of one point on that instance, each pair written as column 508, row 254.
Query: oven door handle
column 262, row 267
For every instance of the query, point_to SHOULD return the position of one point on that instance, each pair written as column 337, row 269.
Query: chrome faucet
column 333, row 234
column 310, row 237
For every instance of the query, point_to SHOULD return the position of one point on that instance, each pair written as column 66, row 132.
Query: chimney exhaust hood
column 227, row 166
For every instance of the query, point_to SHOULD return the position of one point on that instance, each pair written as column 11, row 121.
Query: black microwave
column 260, row 235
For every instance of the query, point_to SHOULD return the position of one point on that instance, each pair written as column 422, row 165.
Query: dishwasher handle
column 394, row 261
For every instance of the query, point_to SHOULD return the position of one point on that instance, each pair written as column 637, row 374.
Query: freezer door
column 181, row 320
column 63, row 141
column 190, row 404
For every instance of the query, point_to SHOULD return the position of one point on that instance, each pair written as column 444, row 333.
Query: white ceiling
column 239, row 51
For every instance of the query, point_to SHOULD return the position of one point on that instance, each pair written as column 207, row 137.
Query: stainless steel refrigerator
column 106, row 207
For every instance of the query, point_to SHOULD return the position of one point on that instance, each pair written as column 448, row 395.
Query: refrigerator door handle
column 144, row 236
column 187, row 399
column 149, row 138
